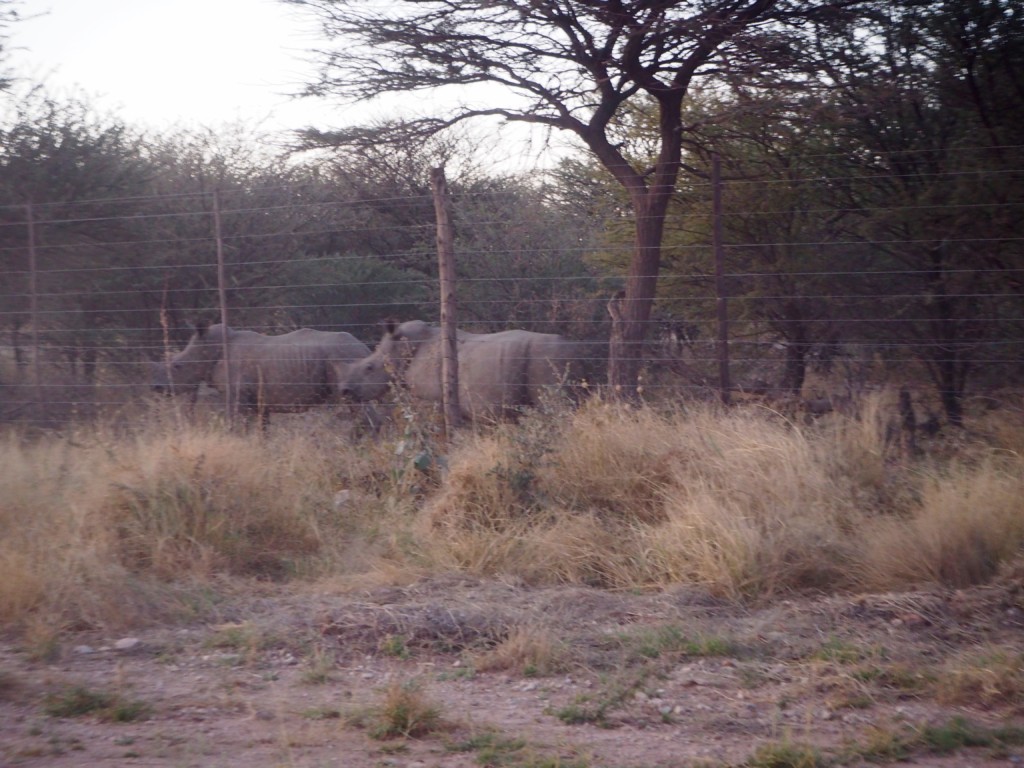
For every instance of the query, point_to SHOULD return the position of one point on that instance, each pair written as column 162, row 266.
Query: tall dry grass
column 105, row 527
column 743, row 502
column 108, row 527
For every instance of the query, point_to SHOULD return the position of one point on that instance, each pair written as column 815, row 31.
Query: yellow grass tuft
column 991, row 676
column 968, row 521
column 529, row 651
column 632, row 497
column 741, row 502
column 207, row 503
column 405, row 712
column 105, row 528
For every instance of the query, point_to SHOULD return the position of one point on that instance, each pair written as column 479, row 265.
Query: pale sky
column 162, row 64
column 165, row 63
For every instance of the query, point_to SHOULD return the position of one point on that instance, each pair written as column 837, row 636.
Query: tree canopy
column 573, row 65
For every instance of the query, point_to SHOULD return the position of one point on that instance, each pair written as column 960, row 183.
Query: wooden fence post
column 446, row 271
column 33, row 298
column 724, row 384
column 222, row 296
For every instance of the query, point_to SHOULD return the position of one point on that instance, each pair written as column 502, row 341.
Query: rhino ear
column 205, row 320
column 390, row 325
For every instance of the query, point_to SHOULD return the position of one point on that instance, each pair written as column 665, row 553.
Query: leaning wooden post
column 722, row 301
column 229, row 394
column 446, row 271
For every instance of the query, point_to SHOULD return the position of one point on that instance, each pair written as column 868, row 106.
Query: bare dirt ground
column 640, row 680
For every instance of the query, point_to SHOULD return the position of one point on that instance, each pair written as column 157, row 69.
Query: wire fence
column 92, row 292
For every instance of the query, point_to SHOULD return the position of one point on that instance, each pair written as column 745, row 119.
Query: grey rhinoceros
column 291, row 372
column 498, row 372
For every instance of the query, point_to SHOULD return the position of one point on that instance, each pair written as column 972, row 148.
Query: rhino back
column 494, row 373
column 335, row 345
column 283, row 372
column 553, row 361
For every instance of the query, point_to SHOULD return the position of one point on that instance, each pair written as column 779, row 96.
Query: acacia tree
column 569, row 65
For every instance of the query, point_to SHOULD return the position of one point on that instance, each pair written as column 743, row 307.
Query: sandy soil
column 669, row 679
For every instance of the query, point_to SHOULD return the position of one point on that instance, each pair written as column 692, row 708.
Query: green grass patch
column 880, row 745
column 842, row 652
column 785, row 754
column 897, row 677
column 960, row 733
column 669, row 640
column 394, row 645
column 887, row 746
column 494, row 750
column 79, row 701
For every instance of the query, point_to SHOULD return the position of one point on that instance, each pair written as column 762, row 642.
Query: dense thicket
column 873, row 208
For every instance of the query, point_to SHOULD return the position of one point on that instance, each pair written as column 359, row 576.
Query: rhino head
column 184, row 371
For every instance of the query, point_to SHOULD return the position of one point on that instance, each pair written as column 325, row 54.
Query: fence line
column 100, row 297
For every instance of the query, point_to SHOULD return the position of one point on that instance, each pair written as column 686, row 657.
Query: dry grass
column 967, row 522
column 404, row 712
column 112, row 527
column 989, row 677
column 529, row 651
column 732, row 500
column 108, row 528
column 740, row 501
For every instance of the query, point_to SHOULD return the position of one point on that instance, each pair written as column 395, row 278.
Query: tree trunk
column 946, row 364
column 20, row 358
column 89, row 364
column 631, row 320
column 795, row 371
column 796, row 368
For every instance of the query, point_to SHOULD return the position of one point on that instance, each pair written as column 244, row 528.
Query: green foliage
column 944, row 739
column 318, row 668
column 952, row 736
column 855, row 211
column 582, row 711
column 527, row 267
column 785, row 754
column 495, row 750
column 595, row 708
column 394, row 645
column 897, row 677
column 75, row 702
column 331, row 292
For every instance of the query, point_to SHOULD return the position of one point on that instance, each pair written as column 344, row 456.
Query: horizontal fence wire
column 118, row 281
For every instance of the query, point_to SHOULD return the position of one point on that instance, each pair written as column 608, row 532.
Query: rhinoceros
column 291, row 372
column 498, row 372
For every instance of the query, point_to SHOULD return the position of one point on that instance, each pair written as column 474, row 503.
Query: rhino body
column 498, row 372
column 291, row 372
